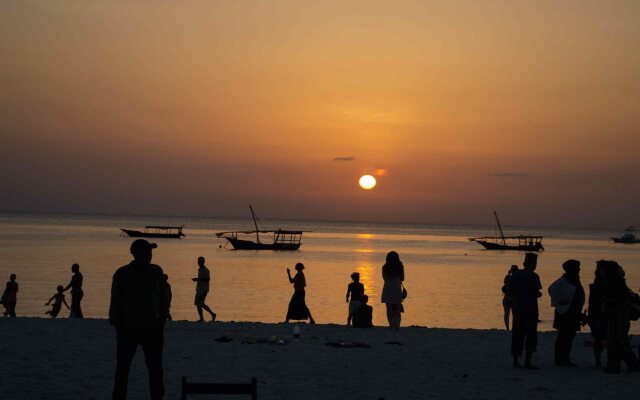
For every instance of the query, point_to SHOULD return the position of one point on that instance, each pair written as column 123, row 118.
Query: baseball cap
column 141, row 244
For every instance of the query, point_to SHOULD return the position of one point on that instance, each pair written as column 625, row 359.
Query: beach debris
column 269, row 340
column 224, row 339
column 348, row 344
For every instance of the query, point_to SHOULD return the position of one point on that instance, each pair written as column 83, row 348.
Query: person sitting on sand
column 202, row 289
column 392, row 292
column 298, row 309
column 10, row 297
column 363, row 316
column 507, row 300
column 567, row 296
column 57, row 304
column 356, row 290
column 76, row 292
column 525, row 287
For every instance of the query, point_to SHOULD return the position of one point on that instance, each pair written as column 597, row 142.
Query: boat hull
column 138, row 234
column 626, row 241
column 239, row 244
column 498, row 246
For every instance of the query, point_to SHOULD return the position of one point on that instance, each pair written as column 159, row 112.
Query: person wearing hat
column 356, row 290
column 298, row 309
column 525, row 287
column 567, row 296
column 138, row 311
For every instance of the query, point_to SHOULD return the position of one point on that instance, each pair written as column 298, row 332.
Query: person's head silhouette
column 141, row 250
column 75, row 268
column 201, row 261
column 530, row 261
column 355, row 276
column 12, row 277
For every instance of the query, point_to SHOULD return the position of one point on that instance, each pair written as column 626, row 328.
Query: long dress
column 298, row 309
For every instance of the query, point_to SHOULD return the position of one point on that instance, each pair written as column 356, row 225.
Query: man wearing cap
column 525, row 287
column 567, row 296
column 138, row 311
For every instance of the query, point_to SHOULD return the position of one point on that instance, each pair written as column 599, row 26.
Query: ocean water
column 451, row 281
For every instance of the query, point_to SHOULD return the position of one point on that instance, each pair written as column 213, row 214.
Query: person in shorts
column 202, row 289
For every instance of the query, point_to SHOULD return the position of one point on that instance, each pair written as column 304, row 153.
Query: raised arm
column 289, row 275
column 50, row 300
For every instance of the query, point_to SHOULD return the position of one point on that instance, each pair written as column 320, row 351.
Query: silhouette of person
column 138, row 311
column 393, row 276
column 298, row 309
column 616, row 318
column 363, row 316
column 567, row 296
column 525, row 287
column 202, row 289
column 76, row 292
column 507, row 300
column 595, row 313
column 356, row 290
column 57, row 304
column 10, row 297
column 169, row 295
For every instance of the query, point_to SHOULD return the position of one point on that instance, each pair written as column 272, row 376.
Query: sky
column 199, row 108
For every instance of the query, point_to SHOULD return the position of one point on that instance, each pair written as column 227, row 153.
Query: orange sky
column 200, row 107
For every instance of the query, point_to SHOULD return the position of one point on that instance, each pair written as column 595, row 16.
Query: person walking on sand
column 76, row 292
column 10, row 297
column 525, row 287
column 356, row 290
column 57, row 304
column 507, row 300
column 616, row 319
column 202, row 289
column 595, row 313
column 392, row 291
column 298, row 309
column 567, row 296
column 138, row 311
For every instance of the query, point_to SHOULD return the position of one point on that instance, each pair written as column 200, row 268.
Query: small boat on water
column 502, row 242
column 167, row 232
column 629, row 236
column 279, row 239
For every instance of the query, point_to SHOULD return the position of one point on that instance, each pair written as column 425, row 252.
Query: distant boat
column 167, row 232
column 628, row 237
column 280, row 239
column 502, row 242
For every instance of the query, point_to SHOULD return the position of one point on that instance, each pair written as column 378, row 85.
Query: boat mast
column 255, row 223
column 504, row 242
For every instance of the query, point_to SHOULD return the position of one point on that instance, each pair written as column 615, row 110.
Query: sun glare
column 367, row 182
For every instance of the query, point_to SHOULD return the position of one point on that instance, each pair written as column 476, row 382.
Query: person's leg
column 199, row 308
column 398, row 317
column 126, row 348
column 531, row 338
column 207, row 309
column 76, row 299
column 569, row 343
column 152, row 345
column 626, row 354
column 12, row 309
column 507, row 311
column 389, row 314
column 517, row 338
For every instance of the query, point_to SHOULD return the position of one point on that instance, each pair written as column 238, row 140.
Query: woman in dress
column 507, row 300
column 76, row 292
column 393, row 275
column 298, row 309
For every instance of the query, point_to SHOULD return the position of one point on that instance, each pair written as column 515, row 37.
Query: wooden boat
column 280, row 239
column 167, row 232
column 628, row 237
column 502, row 242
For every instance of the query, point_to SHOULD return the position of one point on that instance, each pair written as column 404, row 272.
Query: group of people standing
column 609, row 312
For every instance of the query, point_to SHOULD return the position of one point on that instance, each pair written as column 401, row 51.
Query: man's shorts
column 199, row 301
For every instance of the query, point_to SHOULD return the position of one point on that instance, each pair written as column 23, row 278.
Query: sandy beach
column 75, row 359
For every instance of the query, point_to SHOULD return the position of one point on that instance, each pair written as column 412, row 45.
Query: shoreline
column 75, row 359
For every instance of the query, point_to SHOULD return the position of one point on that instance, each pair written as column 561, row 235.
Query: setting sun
column 367, row 182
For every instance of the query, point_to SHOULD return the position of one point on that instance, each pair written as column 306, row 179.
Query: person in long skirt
column 393, row 275
column 298, row 309
column 76, row 292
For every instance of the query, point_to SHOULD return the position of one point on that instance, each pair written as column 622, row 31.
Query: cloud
column 381, row 172
column 514, row 175
column 344, row 158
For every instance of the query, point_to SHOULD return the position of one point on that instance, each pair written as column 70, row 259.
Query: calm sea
column 451, row 281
